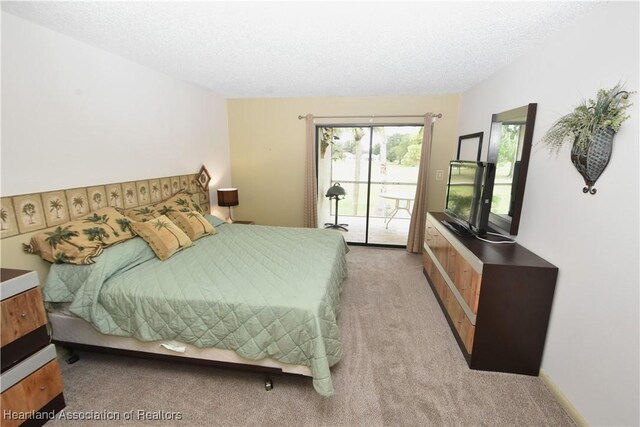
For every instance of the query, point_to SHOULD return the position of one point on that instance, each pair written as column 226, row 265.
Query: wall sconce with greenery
column 591, row 126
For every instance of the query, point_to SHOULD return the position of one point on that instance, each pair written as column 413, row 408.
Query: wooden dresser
column 31, row 383
column 497, row 298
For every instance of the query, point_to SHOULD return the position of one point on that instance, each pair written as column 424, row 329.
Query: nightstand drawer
column 22, row 314
column 31, row 394
column 35, row 384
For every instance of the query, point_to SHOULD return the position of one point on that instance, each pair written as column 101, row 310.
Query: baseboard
column 563, row 401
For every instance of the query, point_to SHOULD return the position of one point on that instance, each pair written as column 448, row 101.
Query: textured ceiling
column 277, row 49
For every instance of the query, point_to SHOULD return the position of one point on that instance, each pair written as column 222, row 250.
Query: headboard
column 22, row 216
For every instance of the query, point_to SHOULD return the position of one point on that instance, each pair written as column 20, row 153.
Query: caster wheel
column 268, row 384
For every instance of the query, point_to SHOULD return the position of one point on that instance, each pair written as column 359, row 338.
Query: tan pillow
column 192, row 223
column 78, row 242
column 142, row 214
column 66, row 243
column 115, row 225
column 164, row 237
column 181, row 202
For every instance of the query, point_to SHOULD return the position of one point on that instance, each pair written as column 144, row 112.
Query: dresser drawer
column 439, row 246
column 22, row 314
column 467, row 280
column 454, row 310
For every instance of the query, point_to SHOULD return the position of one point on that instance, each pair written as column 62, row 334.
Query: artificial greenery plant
column 579, row 126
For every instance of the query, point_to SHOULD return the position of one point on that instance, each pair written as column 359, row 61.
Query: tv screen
column 469, row 193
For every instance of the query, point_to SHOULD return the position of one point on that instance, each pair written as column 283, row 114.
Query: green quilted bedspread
column 260, row 291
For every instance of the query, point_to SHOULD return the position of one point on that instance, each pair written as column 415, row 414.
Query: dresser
column 496, row 297
column 31, row 383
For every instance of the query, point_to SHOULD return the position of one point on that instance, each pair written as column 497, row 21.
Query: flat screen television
column 469, row 194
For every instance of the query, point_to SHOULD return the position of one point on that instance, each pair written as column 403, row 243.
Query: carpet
column 402, row 366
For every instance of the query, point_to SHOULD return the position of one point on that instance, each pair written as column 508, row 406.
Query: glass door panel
column 377, row 166
column 394, row 167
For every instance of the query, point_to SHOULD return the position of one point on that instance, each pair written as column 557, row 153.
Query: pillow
column 164, row 237
column 180, row 202
column 66, row 243
column 115, row 226
column 78, row 242
column 141, row 214
column 192, row 223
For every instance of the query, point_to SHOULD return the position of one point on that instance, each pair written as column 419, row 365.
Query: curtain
column 311, row 177
column 419, row 212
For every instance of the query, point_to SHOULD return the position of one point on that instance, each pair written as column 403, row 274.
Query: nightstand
column 244, row 222
column 31, row 383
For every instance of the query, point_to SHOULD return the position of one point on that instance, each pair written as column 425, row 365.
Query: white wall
column 74, row 115
column 591, row 351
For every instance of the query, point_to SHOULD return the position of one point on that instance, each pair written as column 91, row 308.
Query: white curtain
column 311, row 177
column 419, row 213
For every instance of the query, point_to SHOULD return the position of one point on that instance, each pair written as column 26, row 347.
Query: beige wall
column 268, row 147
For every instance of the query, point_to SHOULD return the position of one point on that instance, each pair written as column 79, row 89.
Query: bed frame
column 73, row 333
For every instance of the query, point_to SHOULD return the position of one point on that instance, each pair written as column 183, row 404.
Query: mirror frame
column 472, row 137
column 499, row 222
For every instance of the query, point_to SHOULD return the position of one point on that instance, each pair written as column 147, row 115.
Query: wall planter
column 591, row 126
column 591, row 159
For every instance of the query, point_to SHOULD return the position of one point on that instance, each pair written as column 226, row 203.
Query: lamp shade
column 228, row 197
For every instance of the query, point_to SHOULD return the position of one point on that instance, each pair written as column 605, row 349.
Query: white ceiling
column 277, row 49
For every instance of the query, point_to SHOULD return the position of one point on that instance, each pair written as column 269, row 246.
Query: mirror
column 510, row 148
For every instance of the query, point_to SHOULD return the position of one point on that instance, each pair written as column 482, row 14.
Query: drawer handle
column 23, row 315
column 43, row 388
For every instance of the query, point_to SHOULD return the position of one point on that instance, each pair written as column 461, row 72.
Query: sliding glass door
column 377, row 167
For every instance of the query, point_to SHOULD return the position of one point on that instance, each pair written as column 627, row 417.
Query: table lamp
column 228, row 197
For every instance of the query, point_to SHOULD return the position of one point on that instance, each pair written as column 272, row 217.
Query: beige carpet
column 402, row 366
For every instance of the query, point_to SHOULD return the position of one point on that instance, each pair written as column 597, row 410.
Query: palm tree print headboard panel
column 32, row 212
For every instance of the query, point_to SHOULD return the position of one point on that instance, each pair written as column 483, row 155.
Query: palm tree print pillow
column 67, row 243
column 109, row 224
column 78, row 242
column 164, row 237
column 192, row 223
column 181, row 202
column 142, row 214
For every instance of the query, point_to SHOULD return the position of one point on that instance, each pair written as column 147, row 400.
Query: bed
column 265, row 296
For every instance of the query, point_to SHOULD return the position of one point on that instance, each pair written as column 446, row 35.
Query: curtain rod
column 438, row 115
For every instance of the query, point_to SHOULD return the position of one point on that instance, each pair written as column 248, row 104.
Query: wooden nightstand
column 244, row 222
column 31, row 381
